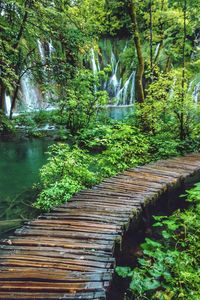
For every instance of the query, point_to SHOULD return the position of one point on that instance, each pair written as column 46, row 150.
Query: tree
column 136, row 37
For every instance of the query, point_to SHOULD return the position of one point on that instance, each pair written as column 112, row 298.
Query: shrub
column 169, row 268
column 126, row 147
column 67, row 172
column 5, row 124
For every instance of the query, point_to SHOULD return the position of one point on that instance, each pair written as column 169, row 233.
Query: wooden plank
column 51, row 274
column 35, row 286
column 44, row 296
column 100, row 253
column 59, row 260
column 54, row 254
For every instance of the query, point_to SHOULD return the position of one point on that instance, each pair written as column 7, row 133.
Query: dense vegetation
column 169, row 265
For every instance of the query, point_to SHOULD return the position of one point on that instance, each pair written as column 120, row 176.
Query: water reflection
column 20, row 162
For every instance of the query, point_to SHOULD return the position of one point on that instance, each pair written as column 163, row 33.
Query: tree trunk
column 136, row 37
column 14, row 98
column 161, row 32
column 22, row 27
column 2, row 96
column 182, row 131
column 168, row 65
column 151, row 38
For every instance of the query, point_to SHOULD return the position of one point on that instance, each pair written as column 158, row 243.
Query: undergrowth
column 169, row 268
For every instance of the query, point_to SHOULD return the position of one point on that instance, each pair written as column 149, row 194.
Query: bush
column 67, row 172
column 26, row 120
column 169, row 268
column 164, row 145
column 126, row 147
column 5, row 125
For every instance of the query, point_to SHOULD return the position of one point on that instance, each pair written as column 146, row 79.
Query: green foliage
column 164, row 145
column 66, row 173
column 58, row 193
column 117, row 18
column 71, row 169
column 26, row 120
column 80, row 102
column 168, row 109
column 126, row 147
column 5, row 125
column 169, row 268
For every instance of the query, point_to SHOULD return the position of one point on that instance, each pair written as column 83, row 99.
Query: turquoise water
column 117, row 112
column 20, row 162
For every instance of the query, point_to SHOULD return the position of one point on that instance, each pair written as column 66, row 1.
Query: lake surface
column 20, row 162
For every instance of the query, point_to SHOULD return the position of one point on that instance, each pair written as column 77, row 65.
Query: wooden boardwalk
column 68, row 253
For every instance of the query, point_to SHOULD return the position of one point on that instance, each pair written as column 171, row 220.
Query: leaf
column 124, row 271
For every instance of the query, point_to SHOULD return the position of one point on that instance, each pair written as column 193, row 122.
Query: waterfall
column 30, row 93
column 120, row 85
column 95, row 66
column 114, row 83
column 157, row 49
column 191, row 85
column 51, row 49
column 44, row 58
column 133, row 88
column 194, row 90
column 121, row 90
column 41, row 52
column 123, row 96
column 196, row 93
column 113, row 60
column 8, row 104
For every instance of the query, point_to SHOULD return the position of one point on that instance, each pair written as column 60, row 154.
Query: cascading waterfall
column 120, row 85
column 8, row 104
column 157, row 50
column 194, row 89
column 95, row 65
column 41, row 52
column 120, row 88
column 30, row 93
column 44, row 56
column 30, row 96
column 196, row 93
column 123, row 97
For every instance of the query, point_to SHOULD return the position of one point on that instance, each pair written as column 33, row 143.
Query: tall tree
column 182, row 132
column 136, row 36
column 151, row 36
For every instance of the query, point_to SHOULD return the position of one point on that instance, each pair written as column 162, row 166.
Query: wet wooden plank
column 66, row 233
column 52, row 274
column 43, row 296
column 36, row 286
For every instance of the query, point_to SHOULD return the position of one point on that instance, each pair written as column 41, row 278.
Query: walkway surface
column 68, row 253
